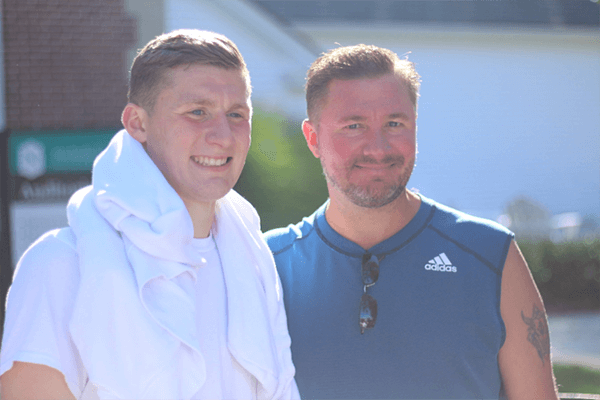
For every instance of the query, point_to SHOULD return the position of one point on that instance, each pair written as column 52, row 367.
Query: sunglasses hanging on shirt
column 368, row 305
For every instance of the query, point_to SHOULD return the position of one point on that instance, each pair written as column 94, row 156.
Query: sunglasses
column 368, row 305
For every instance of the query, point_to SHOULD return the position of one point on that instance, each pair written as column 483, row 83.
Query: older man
column 388, row 293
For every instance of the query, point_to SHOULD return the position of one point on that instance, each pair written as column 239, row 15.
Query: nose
column 220, row 132
column 378, row 145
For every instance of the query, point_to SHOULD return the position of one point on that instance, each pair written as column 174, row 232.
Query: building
column 509, row 99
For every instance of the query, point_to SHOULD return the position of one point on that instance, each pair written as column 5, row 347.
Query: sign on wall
column 50, row 166
column 45, row 169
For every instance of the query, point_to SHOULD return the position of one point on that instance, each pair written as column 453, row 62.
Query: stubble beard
column 369, row 196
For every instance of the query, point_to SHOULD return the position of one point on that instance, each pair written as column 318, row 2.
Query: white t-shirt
column 40, row 303
column 225, row 377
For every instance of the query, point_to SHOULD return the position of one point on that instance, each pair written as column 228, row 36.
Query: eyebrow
column 191, row 100
column 400, row 115
column 240, row 105
column 210, row 103
column 202, row 102
column 359, row 118
column 356, row 118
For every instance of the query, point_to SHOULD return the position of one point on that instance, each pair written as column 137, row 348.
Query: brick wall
column 65, row 63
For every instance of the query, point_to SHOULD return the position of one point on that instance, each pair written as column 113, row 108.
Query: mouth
column 386, row 163
column 374, row 166
column 379, row 167
column 210, row 161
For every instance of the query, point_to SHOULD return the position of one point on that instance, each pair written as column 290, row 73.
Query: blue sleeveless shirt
column 438, row 329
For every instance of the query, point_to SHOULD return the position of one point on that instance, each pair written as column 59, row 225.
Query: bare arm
column 28, row 381
column 524, row 358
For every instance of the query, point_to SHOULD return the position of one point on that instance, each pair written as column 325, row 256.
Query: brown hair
column 356, row 62
column 180, row 47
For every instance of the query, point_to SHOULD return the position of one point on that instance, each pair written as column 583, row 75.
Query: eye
column 197, row 112
column 394, row 124
column 235, row 115
column 353, row 126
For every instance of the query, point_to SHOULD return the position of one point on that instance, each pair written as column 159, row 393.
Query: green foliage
column 577, row 379
column 567, row 274
column 282, row 179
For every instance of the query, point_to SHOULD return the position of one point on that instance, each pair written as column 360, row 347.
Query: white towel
column 135, row 327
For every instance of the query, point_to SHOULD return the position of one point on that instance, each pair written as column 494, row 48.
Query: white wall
column 502, row 113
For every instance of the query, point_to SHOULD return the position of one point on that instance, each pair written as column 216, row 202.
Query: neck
column 203, row 216
column 370, row 226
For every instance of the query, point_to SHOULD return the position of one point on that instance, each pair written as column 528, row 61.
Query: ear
column 134, row 119
column 311, row 137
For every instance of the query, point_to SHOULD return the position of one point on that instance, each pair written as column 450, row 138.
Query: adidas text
column 441, row 268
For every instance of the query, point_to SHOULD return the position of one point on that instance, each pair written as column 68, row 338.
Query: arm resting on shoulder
column 28, row 381
column 524, row 359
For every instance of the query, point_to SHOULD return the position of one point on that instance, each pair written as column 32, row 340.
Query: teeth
column 210, row 162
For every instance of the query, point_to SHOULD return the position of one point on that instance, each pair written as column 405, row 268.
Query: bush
column 577, row 379
column 285, row 183
column 282, row 179
column 567, row 274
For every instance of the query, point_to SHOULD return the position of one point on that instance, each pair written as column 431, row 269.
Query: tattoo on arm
column 537, row 332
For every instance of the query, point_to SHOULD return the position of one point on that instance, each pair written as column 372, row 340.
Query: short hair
column 180, row 47
column 356, row 62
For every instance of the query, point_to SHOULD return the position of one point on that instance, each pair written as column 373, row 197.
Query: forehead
column 190, row 81
column 384, row 92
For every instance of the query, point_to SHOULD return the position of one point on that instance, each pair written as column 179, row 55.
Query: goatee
column 369, row 196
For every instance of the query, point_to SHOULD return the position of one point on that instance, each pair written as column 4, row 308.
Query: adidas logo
column 440, row 263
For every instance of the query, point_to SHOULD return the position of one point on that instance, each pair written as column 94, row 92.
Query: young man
column 388, row 293
column 161, row 286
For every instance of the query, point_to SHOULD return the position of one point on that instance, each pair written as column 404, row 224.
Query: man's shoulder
column 53, row 246
column 49, row 262
column 448, row 219
column 485, row 238
column 61, row 241
column 282, row 239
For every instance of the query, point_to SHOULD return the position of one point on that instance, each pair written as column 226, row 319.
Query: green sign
column 35, row 153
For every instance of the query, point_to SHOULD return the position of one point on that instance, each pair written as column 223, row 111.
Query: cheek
column 242, row 132
column 405, row 144
column 339, row 152
column 245, row 140
column 155, row 150
column 161, row 160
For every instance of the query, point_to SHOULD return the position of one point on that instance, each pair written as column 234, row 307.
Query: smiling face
column 365, row 139
column 198, row 132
